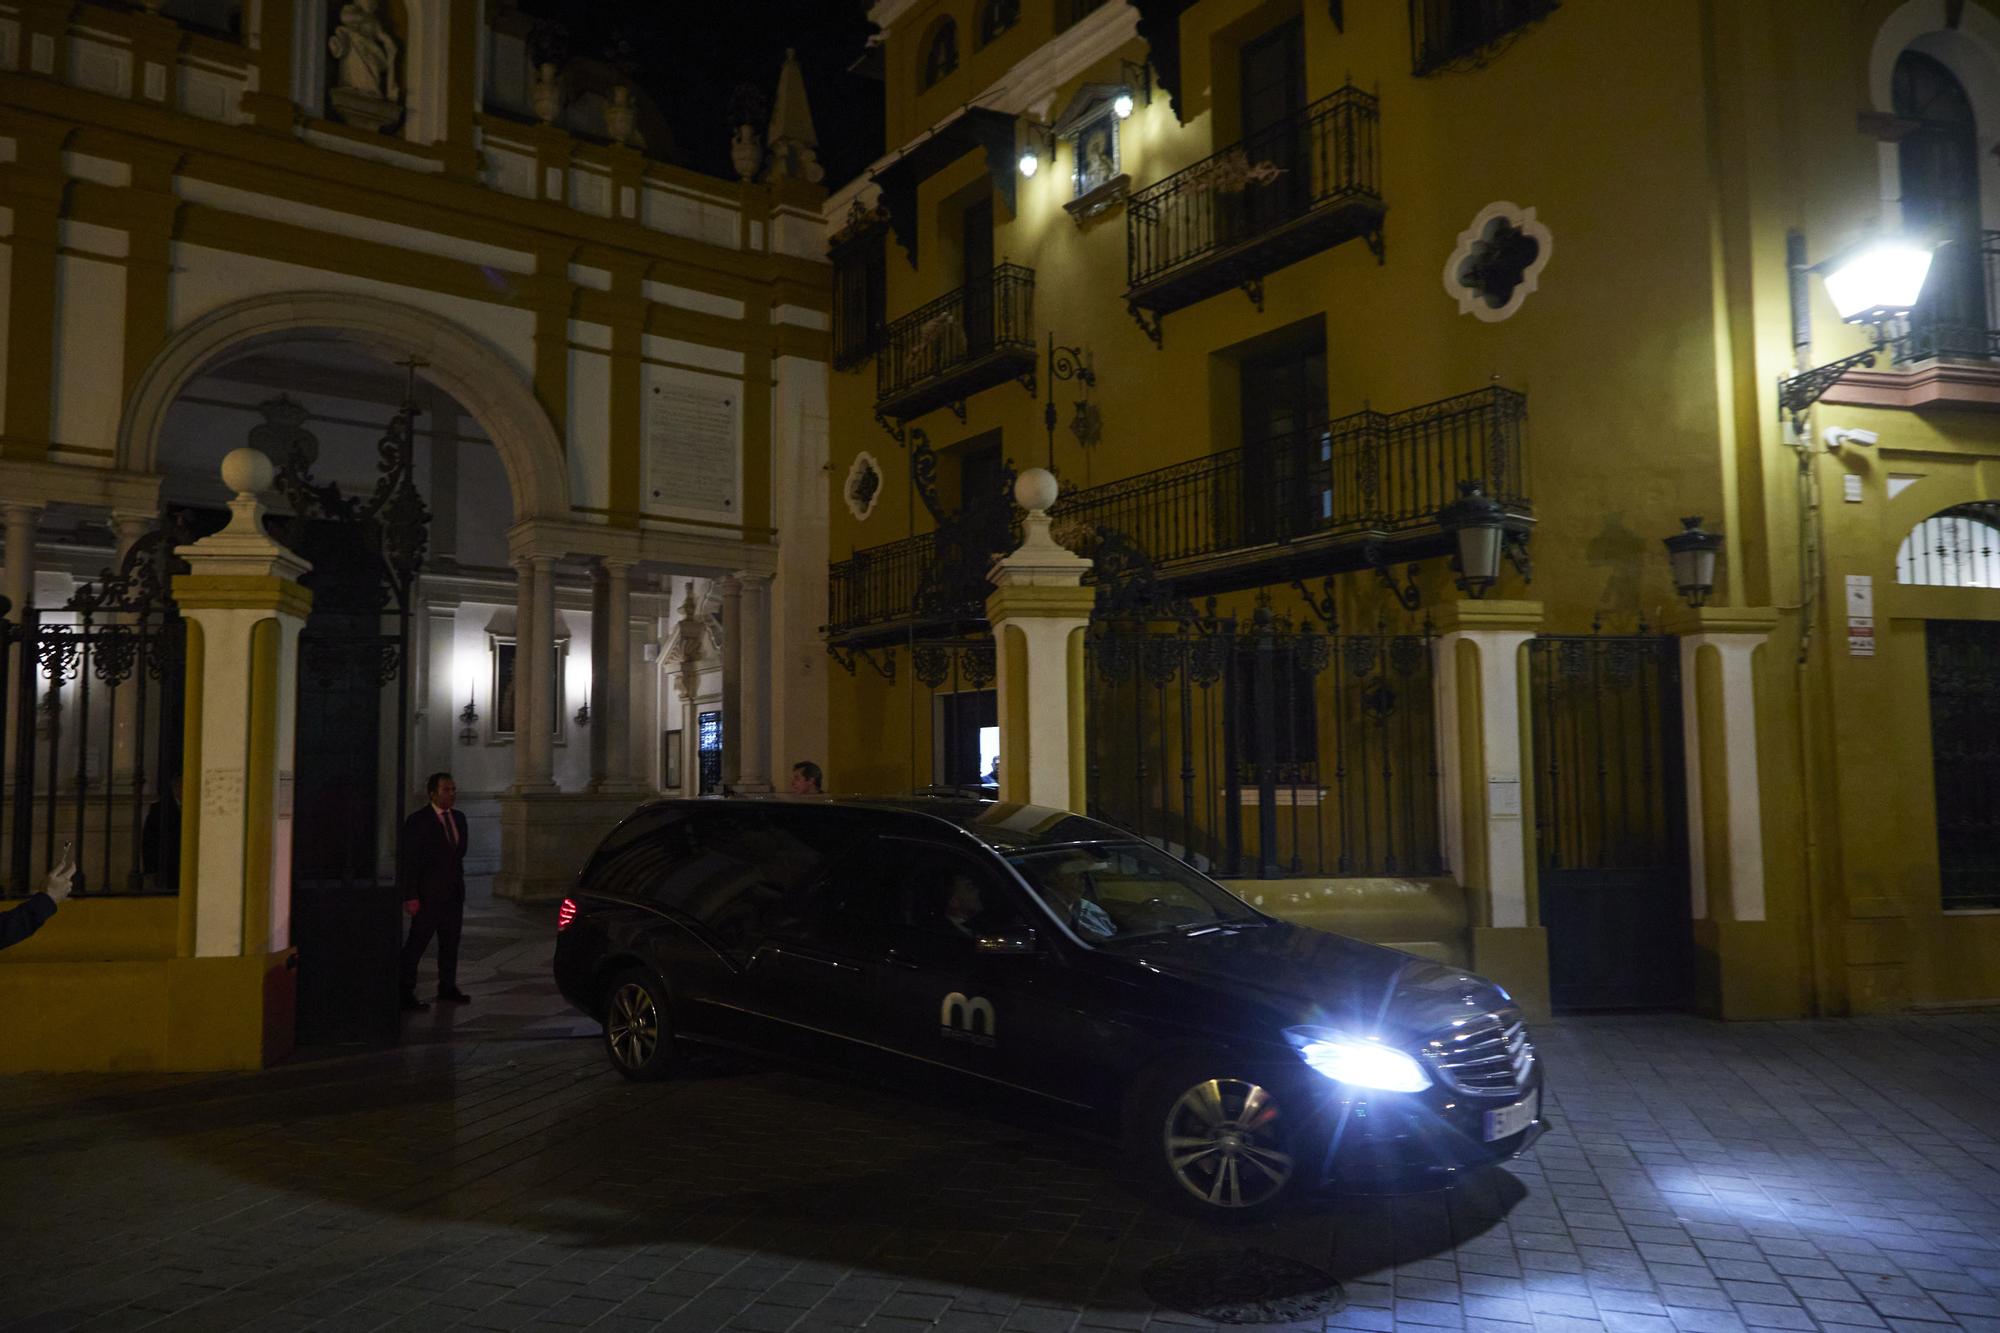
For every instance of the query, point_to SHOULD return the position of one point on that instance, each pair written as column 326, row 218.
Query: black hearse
column 1244, row 1058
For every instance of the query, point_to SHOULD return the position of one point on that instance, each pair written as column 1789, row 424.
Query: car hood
column 1306, row 976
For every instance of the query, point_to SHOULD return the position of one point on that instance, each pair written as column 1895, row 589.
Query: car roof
column 1002, row 825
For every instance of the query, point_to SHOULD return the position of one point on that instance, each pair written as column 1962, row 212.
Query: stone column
column 1740, row 971
column 754, row 698
column 732, row 680
column 19, row 589
column 538, row 638
column 244, row 608
column 1039, row 611
column 1481, row 721
column 611, row 677
column 524, row 616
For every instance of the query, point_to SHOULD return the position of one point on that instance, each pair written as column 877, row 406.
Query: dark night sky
column 690, row 55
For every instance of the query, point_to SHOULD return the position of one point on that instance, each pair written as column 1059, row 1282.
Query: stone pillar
column 1481, row 722
column 1746, row 966
column 754, row 699
column 611, row 677
column 244, row 607
column 524, row 616
column 536, row 642
column 19, row 589
column 732, row 680
column 1039, row 611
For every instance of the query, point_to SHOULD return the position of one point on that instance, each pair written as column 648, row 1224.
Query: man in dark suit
column 431, row 873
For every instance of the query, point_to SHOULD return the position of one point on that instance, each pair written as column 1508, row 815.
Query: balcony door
column 976, row 233
column 1939, row 165
column 1273, row 83
column 1285, row 466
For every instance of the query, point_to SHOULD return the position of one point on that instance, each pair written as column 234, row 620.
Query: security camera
column 1836, row 436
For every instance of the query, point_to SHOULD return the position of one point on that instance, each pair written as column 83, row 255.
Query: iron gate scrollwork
column 1258, row 747
column 96, row 751
column 366, row 554
column 1610, row 819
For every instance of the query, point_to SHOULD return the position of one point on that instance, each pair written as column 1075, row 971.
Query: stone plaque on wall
column 691, row 445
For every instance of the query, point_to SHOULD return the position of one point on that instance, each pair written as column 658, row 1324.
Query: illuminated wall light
column 1031, row 162
column 1122, row 106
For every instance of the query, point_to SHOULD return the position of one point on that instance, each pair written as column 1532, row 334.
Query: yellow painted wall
column 1667, row 148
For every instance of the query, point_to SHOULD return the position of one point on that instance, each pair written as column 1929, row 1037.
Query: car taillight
column 565, row 914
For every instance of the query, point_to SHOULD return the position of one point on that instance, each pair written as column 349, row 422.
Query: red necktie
column 450, row 833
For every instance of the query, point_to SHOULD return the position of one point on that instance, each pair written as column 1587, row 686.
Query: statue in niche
column 367, row 93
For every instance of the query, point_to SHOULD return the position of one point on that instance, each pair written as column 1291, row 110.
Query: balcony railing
column 1960, row 305
column 1301, row 186
column 981, row 335
column 1357, row 491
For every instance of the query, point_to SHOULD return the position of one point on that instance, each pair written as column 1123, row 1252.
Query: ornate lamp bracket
column 1514, row 546
column 1802, row 390
column 1254, row 289
column 1065, row 364
column 895, row 428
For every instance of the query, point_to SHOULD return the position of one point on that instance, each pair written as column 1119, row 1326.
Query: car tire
column 638, row 1037
column 1218, row 1139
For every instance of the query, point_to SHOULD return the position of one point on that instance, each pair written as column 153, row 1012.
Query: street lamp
column 1692, row 552
column 1870, row 283
column 1478, row 522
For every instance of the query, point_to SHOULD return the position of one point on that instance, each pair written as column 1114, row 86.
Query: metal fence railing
column 1324, row 153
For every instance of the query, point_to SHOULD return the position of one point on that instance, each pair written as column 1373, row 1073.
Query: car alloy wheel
column 1225, row 1144
column 636, row 1034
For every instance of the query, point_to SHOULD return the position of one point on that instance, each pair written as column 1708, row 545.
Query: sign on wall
column 692, row 444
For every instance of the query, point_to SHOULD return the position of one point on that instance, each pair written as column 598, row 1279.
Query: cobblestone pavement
column 1702, row 1179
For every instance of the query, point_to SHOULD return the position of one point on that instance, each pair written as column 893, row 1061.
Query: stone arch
column 1971, row 51
column 467, row 367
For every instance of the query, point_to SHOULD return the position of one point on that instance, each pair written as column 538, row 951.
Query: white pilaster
column 1483, row 790
column 755, row 700
column 1725, row 865
column 732, row 680
column 538, row 638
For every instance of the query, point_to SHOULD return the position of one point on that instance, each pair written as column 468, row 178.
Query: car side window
column 637, row 859
column 743, row 873
column 944, row 896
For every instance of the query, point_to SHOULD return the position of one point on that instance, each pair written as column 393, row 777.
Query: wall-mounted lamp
column 468, row 717
column 583, row 713
column 1138, row 90
column 1477, row 522
column 1038, row 142
column 1871, row 283
column 1692, row 552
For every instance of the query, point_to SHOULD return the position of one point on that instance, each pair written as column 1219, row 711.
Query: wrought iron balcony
column 940, row 354
column 1447, row 34
column 1358, row 492
column 1960, row 307
column 1304, row 185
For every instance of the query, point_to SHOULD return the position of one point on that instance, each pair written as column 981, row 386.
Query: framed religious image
column 1096, row 153
column 670, row 760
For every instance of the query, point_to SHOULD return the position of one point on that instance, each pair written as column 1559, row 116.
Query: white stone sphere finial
column 247, row 471
column 1035, row 490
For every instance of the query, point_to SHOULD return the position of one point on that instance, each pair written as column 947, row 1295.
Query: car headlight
column 1360, row 1062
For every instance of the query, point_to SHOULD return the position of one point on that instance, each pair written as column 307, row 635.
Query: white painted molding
column 1473, row 302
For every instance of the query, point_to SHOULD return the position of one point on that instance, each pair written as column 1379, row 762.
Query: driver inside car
column 963, row 906
column 1075, row 897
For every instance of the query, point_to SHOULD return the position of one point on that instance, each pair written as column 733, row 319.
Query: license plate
column 1509, row 1120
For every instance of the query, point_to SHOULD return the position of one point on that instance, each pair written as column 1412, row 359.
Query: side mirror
column 1014, row 940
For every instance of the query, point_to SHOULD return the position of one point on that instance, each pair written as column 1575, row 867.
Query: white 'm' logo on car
column 961, row 1017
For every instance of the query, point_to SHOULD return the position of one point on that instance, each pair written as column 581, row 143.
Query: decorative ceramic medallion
column 1498, row 261
column 864, row 485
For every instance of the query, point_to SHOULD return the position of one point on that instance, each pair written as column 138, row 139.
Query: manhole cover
column 1242, row 1287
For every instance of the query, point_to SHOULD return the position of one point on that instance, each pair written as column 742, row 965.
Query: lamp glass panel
column 1878, row 280
column 1479, row 553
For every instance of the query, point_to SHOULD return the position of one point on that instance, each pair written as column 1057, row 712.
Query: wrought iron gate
column 366, row 554
column 96, row 750
column 1265, row 749
column 1610, row 820
column 1964, row 661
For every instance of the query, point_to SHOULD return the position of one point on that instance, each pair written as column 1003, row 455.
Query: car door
column 945, row 1004
column 811, row 983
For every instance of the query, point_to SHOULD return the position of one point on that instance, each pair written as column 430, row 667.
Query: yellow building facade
column 1326, row 265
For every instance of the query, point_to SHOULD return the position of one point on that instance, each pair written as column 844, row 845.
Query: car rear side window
column 743, row 872
column 636, row 858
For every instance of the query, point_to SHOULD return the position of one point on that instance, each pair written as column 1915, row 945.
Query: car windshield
column 1111, row 891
